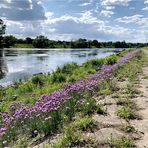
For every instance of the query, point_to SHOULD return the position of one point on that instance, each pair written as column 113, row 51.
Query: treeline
column 44, row 42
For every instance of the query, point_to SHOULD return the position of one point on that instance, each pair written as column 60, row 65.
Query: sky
column 104, row 20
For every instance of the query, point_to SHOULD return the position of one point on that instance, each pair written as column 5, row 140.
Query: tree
column 41, row 42
column 29, row 40
column 2, row 31
column 9, row 41
column 95, row 43
column 81, row 43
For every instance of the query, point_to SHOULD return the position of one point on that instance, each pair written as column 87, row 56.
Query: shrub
column 126, row 113
column 88, row 107
column 94, row 63
column 72, row 78
column 111, row 60
column 37, row 80
column 58, row 77
column 67, row 68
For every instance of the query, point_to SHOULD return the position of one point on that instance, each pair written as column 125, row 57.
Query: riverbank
column 22, row 63
column 89, row 105
column 29, row 91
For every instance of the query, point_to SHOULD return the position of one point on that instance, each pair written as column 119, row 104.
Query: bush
column 37, row 80
column 58, row 77
column 126, row 113
column 94, row 63
column 111, row 60
column 68, row 68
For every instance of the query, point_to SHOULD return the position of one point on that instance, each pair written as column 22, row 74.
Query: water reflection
column 3, row 65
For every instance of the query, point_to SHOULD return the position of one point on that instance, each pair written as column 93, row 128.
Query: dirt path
column 142, row 102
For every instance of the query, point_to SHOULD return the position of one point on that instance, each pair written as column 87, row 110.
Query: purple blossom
column 2, row 131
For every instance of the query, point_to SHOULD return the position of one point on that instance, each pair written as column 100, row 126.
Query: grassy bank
column 53, row 110
column 22, row 46
column 27, row 92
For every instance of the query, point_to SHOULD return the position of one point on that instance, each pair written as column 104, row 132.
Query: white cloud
column 146, row 8
column 117, row 30
column 109, row 7
column 9, row 1
column 84, row 18
column 31, row 4
column 66, row 23
column 48, row 14
column 115, row 2
column 4, row 6
column 130, row 19
column 85, row 4
column 87, row 18
column 136, row 19
column 51, row 30
column 146, row 1
column 107, row 13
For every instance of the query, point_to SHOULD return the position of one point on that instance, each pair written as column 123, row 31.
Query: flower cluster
column 52, row 102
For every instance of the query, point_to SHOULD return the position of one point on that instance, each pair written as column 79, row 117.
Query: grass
column 121, row 143
column 23, row 46
column 90, row 106
column 130, row 70
column 122, row 101
column 126, row 112
column 129, row 128
column 72, row 132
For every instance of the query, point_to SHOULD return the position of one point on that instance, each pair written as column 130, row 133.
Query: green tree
column 41, row 42
column 81, row 43
column 29, row 40
column 9, row 41
column 95, row 43
column 2, row 31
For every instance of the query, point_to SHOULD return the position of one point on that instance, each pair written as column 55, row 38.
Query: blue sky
column 104, row 20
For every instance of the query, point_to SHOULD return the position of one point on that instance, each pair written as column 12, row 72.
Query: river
column 18, row 63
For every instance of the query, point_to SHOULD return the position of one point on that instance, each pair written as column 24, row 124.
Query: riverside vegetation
column 70, row 99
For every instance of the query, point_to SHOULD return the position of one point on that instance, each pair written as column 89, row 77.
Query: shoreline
column 20, row 48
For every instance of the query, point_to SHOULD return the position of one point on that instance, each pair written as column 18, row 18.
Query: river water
column 18, row 63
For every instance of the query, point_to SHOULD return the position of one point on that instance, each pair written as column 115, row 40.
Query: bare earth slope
column 142, row 102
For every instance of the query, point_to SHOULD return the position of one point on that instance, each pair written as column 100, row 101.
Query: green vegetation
column 22, row 46
column 126, row 113
column 121, row 143
column 44, row 42
column 72, row 132
column 128, row 128
column 2, row 31
column 28, row 91
column 130, row 70
column 40, row 42
column 122, row 101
